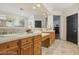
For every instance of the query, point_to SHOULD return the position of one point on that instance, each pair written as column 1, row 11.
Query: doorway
column 72, row 28
column 56, row 22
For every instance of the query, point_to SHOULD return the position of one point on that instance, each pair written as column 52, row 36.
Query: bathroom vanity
column 21, row 44
column 25, row 43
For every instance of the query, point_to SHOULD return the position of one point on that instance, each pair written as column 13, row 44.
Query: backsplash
column 11, row 30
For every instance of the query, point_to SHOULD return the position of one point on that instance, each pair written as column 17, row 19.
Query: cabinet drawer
column 26, row 41
column 38, row 41
column 12, row 44
column 27, row 45
column 8, row 45
column 27, row 51
column 37, row 44
column 38, row 37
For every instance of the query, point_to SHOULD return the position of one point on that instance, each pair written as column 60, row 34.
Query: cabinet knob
column 7, row 46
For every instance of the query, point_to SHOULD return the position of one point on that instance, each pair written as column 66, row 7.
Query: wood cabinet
column 48, row 40
column 13, row 51
column 52, row 37
column 37, row 45
column 26, row 46
column 9, row 48
column 31, row 45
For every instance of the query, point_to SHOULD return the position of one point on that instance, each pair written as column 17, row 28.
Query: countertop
column 45, row 34
column 17, row 36
column 49, row 31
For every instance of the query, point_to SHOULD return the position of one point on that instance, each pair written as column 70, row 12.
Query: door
column 72, row 23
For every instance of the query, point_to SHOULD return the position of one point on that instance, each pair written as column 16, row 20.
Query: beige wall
column 62, row 28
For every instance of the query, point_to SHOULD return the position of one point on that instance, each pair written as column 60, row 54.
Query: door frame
column 59, row 25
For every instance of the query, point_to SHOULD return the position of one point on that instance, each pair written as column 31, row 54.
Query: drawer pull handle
column 26, row 41
column 8, row 46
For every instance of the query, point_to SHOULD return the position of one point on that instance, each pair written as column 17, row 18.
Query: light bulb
column 38, row 5
column 34, row 7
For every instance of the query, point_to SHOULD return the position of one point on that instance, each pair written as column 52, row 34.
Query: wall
column 50, row 21
column 62, row 27
column 62, row 21
column 51, row 25
column 30, row 22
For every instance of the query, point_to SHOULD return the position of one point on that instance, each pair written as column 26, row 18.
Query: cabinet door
column 27, row 50
column 37, row 45
column 9, row 48
column 52, row 37
column 37, row 49
column 12, row 51
column 3, row 53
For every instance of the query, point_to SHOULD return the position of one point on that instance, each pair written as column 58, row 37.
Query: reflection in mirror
column 18, row 23
column 12, row 22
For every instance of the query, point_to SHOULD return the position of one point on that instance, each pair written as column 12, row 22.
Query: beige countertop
column 49, row 31
column 45, row 34
column 17, row 36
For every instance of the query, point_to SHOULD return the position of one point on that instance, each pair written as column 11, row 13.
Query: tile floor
column 61, row 47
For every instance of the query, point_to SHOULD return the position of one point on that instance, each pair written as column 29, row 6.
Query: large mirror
column 16, row 21
column 12, row 21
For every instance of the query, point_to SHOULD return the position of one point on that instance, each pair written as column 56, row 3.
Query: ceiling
column 59, row 6
column 14, row 8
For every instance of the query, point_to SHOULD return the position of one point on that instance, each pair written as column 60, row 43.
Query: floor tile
column 61, row 47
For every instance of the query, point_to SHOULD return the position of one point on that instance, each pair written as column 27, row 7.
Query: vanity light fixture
column 44, row 14
column 38, row 5
column 34, row 7
column 21, row 11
